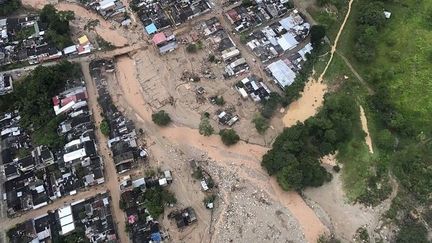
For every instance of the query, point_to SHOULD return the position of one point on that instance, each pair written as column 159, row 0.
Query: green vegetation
column 327, row 239
column 219, row 100
column 294, row 157
column 209, row 199
column 229, row 136
column 393, row 56
column 247, row 3
column 9, row 7
column 269, row 106
column 261, row 124
column 78, row 236
column 205, row 128
column 103, row 44
column 32, row 97
column 58, row 25
column 412, row 232
column 192, row 48
column 47, row 134
column 317, row 33
column 155, row 199
column 161, row 118
column 105, row 127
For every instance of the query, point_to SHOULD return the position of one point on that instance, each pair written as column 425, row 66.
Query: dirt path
column 111, row 179
column 356, row 74
column 313, row 95
column 364, row 124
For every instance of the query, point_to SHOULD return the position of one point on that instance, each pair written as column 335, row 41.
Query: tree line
column 294, row 157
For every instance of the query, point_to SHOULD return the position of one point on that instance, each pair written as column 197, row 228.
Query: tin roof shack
column 109, row 9
column 244, row 17
column 278, row 38
column 184, row 217
column 285, row 71
column 165, row 43
column 223, row 46
column 87, row 218
column 253, row 87
column 158, row 15
column 227, row 118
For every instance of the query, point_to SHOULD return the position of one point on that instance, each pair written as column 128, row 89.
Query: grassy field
column 405, row 52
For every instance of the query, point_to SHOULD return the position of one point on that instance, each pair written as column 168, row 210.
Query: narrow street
column 111, row 179
column 7, row 223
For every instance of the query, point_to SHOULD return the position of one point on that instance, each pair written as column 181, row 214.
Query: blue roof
column 156, row 237
column 151, row 28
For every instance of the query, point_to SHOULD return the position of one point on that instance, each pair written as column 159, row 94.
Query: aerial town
column 215, row 121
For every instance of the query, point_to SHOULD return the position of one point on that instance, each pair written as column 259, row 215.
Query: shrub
column 219, row 100
column 104, row 127
column 192, row 48
column 336, row 168
column 205, row 128
column 261, row 124
column 229, row 137
column 161, row 118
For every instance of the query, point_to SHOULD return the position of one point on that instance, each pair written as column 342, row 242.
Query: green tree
column 412, row 232
column 261, row 124
column 290, row 177
column 229, row 136
column 192, row 48
column 205, row 127
column 270, row 105
column 317, row 33
column 9, row 7
column 220, row 101
column 161, row 118
column 105, row 127
column 385, row 140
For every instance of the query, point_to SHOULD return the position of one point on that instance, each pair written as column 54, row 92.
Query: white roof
column 80, row 153
column 65, row 108
column 70, row 49
column 79, row 104
column 44, row 234
column 62, row 212
column 106, row 4
column 307, row 49
column 67, row 228
column 282, row 73
column 287, row 41
column 40, row 189
column 66, row 220
column 243, row 92
column 167, row 174
column 287, row 23
column 204, row 185
column 138, row 182
column 163, row 182
column 72, row 143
